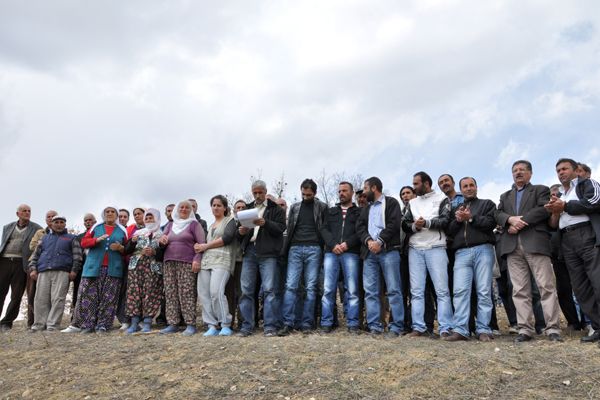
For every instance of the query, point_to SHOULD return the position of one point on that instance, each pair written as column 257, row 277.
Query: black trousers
column 11, row 276
column 564, row 291
column 583, row 263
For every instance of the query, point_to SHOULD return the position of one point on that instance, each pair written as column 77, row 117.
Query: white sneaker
column 71, row 329
column 124, row 326
column 589, row 329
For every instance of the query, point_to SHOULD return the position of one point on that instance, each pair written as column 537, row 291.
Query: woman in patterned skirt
column 144, row 286
column 180, row 268
column 102, row 273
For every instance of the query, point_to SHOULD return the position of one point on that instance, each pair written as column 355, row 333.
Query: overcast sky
column 149, row 102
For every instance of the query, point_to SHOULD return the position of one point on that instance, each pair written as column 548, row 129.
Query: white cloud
column 511, row 152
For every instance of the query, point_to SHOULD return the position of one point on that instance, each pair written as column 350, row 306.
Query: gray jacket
column 32, row 228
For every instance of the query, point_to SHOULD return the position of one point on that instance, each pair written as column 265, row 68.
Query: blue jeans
column 435, row 261
column 351, row 268
column 251, row 267
column 473, row 263
column 302, row 260
column 388, row 263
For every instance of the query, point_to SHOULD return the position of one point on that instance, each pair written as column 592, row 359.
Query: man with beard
column 378, row 228
column 305, row 243
column 198, row 217
column 425, row 221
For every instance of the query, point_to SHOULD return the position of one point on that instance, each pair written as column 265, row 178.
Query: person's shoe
column 391, row 335
column 496, row 332
column 590, row 330
column 169, row 329
column 86, row 331
column 513, row 330
column 554, row 337
column 189, row 331
column 521, row 337
column 246, row 333
column 416, row 333
column 270, row 333
column 307, row 331
column 484, row 337
column 454, row 337
column 375, row 333
column 594, row 337
column 33, row 330
column 446, row 335
column 51, row 329
column 226, row 331
column 285, row 331
column 133, row 327
column 101, row 330
column 212, row 331
column 147, row 325
column 124, row 326
column 353, row 330
column 325, row 330
column 71, row 329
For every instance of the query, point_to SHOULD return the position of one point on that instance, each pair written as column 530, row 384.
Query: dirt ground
column 153, row 366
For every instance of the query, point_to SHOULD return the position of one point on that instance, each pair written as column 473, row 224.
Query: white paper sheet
column 246, row 217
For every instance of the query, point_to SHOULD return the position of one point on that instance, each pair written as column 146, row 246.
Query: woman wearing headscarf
column 217, row 266
column 102, row 273
column 144, row 287
column 180, row 268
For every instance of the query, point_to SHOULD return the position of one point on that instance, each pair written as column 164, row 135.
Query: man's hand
column 512, row 230
column 555, row 205
column 374, row 246
column 243, row 230
column 517, row 222
column 259, row 222
column 420, row 223
column 33, row 275
column 72, row 276
column 337, row 249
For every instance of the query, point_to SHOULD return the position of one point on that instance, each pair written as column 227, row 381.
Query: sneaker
column 169, row 329
column 51, row 329
column 226, row 331
column 71, row 329
column 101, row 330
column 189, row 331
column 212, row 331
column 124, row 326
column 554, row 337
column 513, row 330
column 269, row 333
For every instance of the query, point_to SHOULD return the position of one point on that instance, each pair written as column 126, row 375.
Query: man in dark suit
column 526, row 243
column 14, row 255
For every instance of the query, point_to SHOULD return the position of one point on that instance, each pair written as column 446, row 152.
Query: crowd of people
column 397, row 266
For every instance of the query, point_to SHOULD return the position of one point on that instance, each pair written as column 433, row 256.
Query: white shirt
column 261, row 211
column 567, row 219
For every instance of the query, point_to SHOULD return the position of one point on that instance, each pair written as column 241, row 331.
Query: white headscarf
column 151, row 227
column 179, row 224
column 121, row 227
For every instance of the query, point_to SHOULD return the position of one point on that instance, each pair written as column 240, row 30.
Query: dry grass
column 115, row 366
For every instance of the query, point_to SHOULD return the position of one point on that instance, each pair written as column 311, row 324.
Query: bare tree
column 279, row 185
column 328, row 184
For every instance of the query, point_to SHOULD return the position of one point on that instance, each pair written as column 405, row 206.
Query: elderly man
column 56, row 261
column 31, row 283
column 14, row 255
column 526, row 244
column 261, row 246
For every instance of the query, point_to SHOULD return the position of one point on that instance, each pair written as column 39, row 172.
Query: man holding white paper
column 261, row 238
